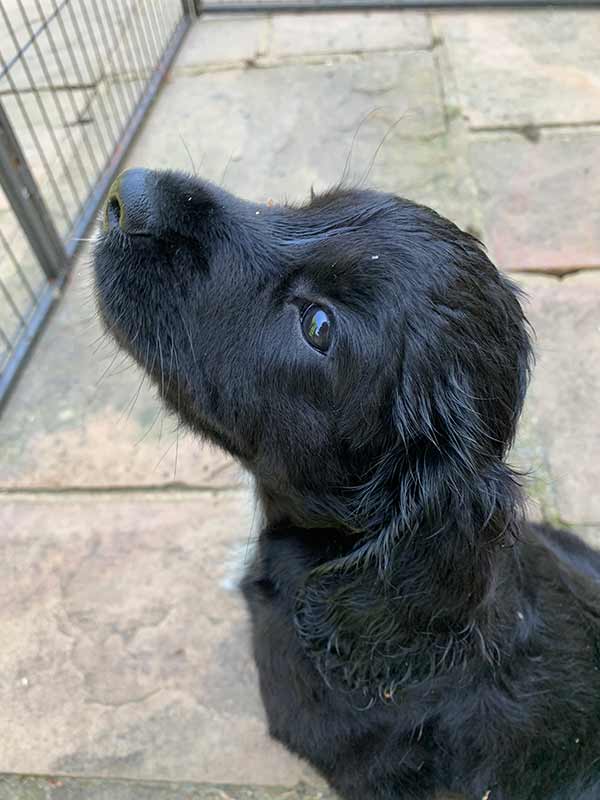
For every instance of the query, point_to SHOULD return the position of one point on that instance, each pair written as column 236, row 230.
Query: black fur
column 412, row 632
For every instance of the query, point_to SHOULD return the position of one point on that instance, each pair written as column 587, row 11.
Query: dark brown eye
column 316, row 327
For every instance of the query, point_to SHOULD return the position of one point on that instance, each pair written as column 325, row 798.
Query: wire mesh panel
column 76, row 78
column 26, row 295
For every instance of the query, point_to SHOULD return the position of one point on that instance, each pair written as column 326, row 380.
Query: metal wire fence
column 76, row 78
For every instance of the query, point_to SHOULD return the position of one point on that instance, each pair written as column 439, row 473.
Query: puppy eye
column 316, row 327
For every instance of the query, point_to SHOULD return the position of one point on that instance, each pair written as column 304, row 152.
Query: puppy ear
column 412, row 598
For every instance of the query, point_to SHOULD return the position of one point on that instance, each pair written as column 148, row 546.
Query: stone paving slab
column 537, row 67
column 30, row 787
column 538, row 199
column 218, row 41
column 17, row 787
column 560, row 435
column 278, row 155
column 304, row 34
column 126, row 644
column 126, row 648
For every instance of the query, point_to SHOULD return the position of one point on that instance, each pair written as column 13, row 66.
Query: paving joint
column 456, row 129
column 560, row 274
column 63, row 87
column 532, row 131
column 269, row 37
column 39, row 786
column 169, row 493
column 265, row 61
column 167, row 489
column 438, row 56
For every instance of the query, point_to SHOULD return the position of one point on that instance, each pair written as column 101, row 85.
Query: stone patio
column 125, row 669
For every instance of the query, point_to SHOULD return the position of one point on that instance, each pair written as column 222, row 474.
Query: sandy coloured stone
column 537, row 199
column 126, row 644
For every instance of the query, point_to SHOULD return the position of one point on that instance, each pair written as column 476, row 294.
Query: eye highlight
column 316, row 327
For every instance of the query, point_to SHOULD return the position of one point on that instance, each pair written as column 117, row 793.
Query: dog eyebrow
column 322, row 236
column 304, row 230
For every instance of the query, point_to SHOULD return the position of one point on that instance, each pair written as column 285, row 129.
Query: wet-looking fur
column 413, row 633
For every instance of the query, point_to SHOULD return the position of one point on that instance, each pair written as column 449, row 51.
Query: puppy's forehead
column 342, row 241
column 342, row 210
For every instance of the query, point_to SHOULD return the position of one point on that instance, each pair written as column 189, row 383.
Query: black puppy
column 365, row 361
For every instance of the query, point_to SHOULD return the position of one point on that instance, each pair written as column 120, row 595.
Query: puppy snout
column 128, row 205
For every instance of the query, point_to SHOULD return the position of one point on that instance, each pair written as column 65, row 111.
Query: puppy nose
column 128, row 202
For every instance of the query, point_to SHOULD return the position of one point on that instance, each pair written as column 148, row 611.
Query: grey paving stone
column 561, row 438
column 536, row 199
column 340, row 32
column 126, row 649
column 536, row 67
column 218, row 40
column 25, row 787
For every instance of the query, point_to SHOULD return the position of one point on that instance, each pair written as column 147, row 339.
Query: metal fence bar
column 153, row 40
column 90, row 70
column 25, row 199
column 22, row 50
column 21, row 348
column 12, row 305
column 17, row 267
column 35, row 139
column 125, row 108
column 63, row 73
column 58, row 104
column 36, row 93
column 5, row 339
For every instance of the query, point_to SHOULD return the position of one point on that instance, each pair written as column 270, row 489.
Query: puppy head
column 359, row 354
